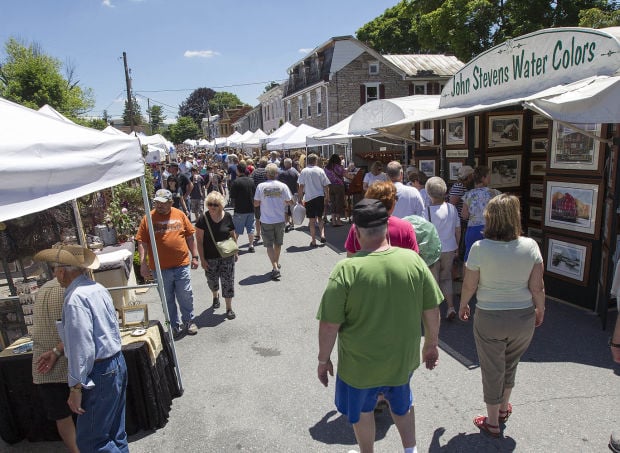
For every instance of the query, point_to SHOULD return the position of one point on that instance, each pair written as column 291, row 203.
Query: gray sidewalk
column 250, row 384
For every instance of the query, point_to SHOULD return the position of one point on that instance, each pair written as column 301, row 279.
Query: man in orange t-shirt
column 174, row 236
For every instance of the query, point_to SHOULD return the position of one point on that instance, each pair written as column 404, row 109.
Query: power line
column 212, row 87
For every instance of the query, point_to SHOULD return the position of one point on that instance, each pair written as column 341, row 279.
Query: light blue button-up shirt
column 89, row 328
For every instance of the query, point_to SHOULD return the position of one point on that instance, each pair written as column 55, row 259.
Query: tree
column 135, row 110
column 270, row 86
column 596, row 18
column 156, row 118
column 224, row 100
column 106, row 117
column 469, row 27
column 184, row 128
column 96, row 123
column 31, row 78
column 196, row 105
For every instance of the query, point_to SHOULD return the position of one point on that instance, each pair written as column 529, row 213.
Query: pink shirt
column 400, row 234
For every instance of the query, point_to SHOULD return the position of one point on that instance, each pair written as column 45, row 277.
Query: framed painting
column 505, row 131
column 133, row 315
column 428, row 167
column 427, row 133
column 538, row 167
column 568, row 259
column 540, row 122
column 535, row 213
column 536, row 234
column 610, row 166
column 456, row 133
column 453, row 170
column 540, row 145
column 572, row 150
column 610, row 213
column 505, row 170
column 537, row 190
column 573, row 205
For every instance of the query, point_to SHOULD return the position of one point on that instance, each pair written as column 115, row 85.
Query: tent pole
column 159, row 278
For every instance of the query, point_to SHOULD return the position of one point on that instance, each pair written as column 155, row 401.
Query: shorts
column 273, row 233
column 315, row 207
column 352, row 401
column 244, row 221
column 54, row 398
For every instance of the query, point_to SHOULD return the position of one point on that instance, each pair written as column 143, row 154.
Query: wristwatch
column 76, row 388
column 57, row 352
column 195, row 257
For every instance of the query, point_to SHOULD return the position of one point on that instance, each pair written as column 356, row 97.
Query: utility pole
column 129, row 99
column 148, row 110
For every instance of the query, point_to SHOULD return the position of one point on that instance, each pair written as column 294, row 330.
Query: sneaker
column 177, row 332
column 275, row 274
column 191, row 328
column 251, row 249
column 256, row 239
column 230, row 314
column 287, row 228
column 614, row 442
column 451, row 314
column 216, row 303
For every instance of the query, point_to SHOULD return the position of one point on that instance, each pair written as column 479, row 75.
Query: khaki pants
column 502, row 336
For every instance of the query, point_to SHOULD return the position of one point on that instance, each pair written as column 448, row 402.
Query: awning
column 580, row 106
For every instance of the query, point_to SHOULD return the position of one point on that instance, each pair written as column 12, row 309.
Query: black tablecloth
column 150, row 390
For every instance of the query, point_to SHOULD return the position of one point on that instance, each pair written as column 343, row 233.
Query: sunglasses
column 213, row 205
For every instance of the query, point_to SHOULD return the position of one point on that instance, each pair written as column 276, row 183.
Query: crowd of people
column 407, row 236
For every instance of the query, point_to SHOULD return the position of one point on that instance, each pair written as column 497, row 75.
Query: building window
column 373, row 68
column 419, row 89
column 370, row 92
column 300, row 102
column 309, row 105
column 319, row 104
column 288, row 111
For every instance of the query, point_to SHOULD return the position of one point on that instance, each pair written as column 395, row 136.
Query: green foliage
column 270, row 86
column 33, row 79
column 95, row 123
column 196, row 105
column 156, row 118
column 184, row 128
column 137, row 113
column 224, row 100
column 469, row 27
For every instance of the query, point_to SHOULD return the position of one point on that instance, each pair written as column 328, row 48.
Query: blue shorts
column 352, row 401
column 244, row 221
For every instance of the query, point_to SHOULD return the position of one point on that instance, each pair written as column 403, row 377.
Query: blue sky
column 236, row 45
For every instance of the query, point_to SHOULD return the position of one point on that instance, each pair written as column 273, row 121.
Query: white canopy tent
column 48, row 162
column 339, row 133
column 113, row 131
column 238, row 142
column 53, row 113
column 283, row 130
column 255, row 140
column 295, row 139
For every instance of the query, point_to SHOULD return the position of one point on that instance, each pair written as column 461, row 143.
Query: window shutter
column 362, row 94
column 382, row 91
column 410, row 89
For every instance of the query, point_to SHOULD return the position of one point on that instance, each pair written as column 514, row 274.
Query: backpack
column 427, row 238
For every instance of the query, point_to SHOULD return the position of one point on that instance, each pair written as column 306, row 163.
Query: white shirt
column 314, row 181
column 369, row 178
column 446, row 221
column 272, row 195
column 409, row 201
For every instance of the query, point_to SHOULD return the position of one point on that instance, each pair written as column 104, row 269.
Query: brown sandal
column 504, row 415
column 481, row 423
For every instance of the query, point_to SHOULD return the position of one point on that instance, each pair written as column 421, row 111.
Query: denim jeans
column 102, row 427
column 178, row 285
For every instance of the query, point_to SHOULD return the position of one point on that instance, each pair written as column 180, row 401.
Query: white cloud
column 107, row 3
column 200, row 53
column 305, row 51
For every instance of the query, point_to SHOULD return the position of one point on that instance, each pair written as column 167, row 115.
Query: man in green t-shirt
column 374, row 304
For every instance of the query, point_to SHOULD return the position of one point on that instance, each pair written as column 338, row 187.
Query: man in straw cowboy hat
column 97, row 374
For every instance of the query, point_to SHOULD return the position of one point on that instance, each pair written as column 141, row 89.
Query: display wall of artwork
column 568, row 259
column 571, row 150
column 505, row 170
column 505, row 131
column 537, row 190
column 540, row 145
column 573, row 205
column 453, row 170
column 535, row 213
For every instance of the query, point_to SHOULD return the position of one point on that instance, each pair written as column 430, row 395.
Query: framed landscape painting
column 505, row 171
column 540, row 145
column 427, row 166
column 573, row 205
column 453, row 168
column 540, row 122
column 572, row 150
column 537, row 190
column 568, row 259
column 505, row 131
column 455, row 131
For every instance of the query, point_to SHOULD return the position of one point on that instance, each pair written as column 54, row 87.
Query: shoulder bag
column 227, row 247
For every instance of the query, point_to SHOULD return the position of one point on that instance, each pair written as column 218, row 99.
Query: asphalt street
column 250, row 384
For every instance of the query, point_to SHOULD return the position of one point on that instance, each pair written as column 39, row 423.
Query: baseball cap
column 369, row 213
column 464, row 171
column 163, row 196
